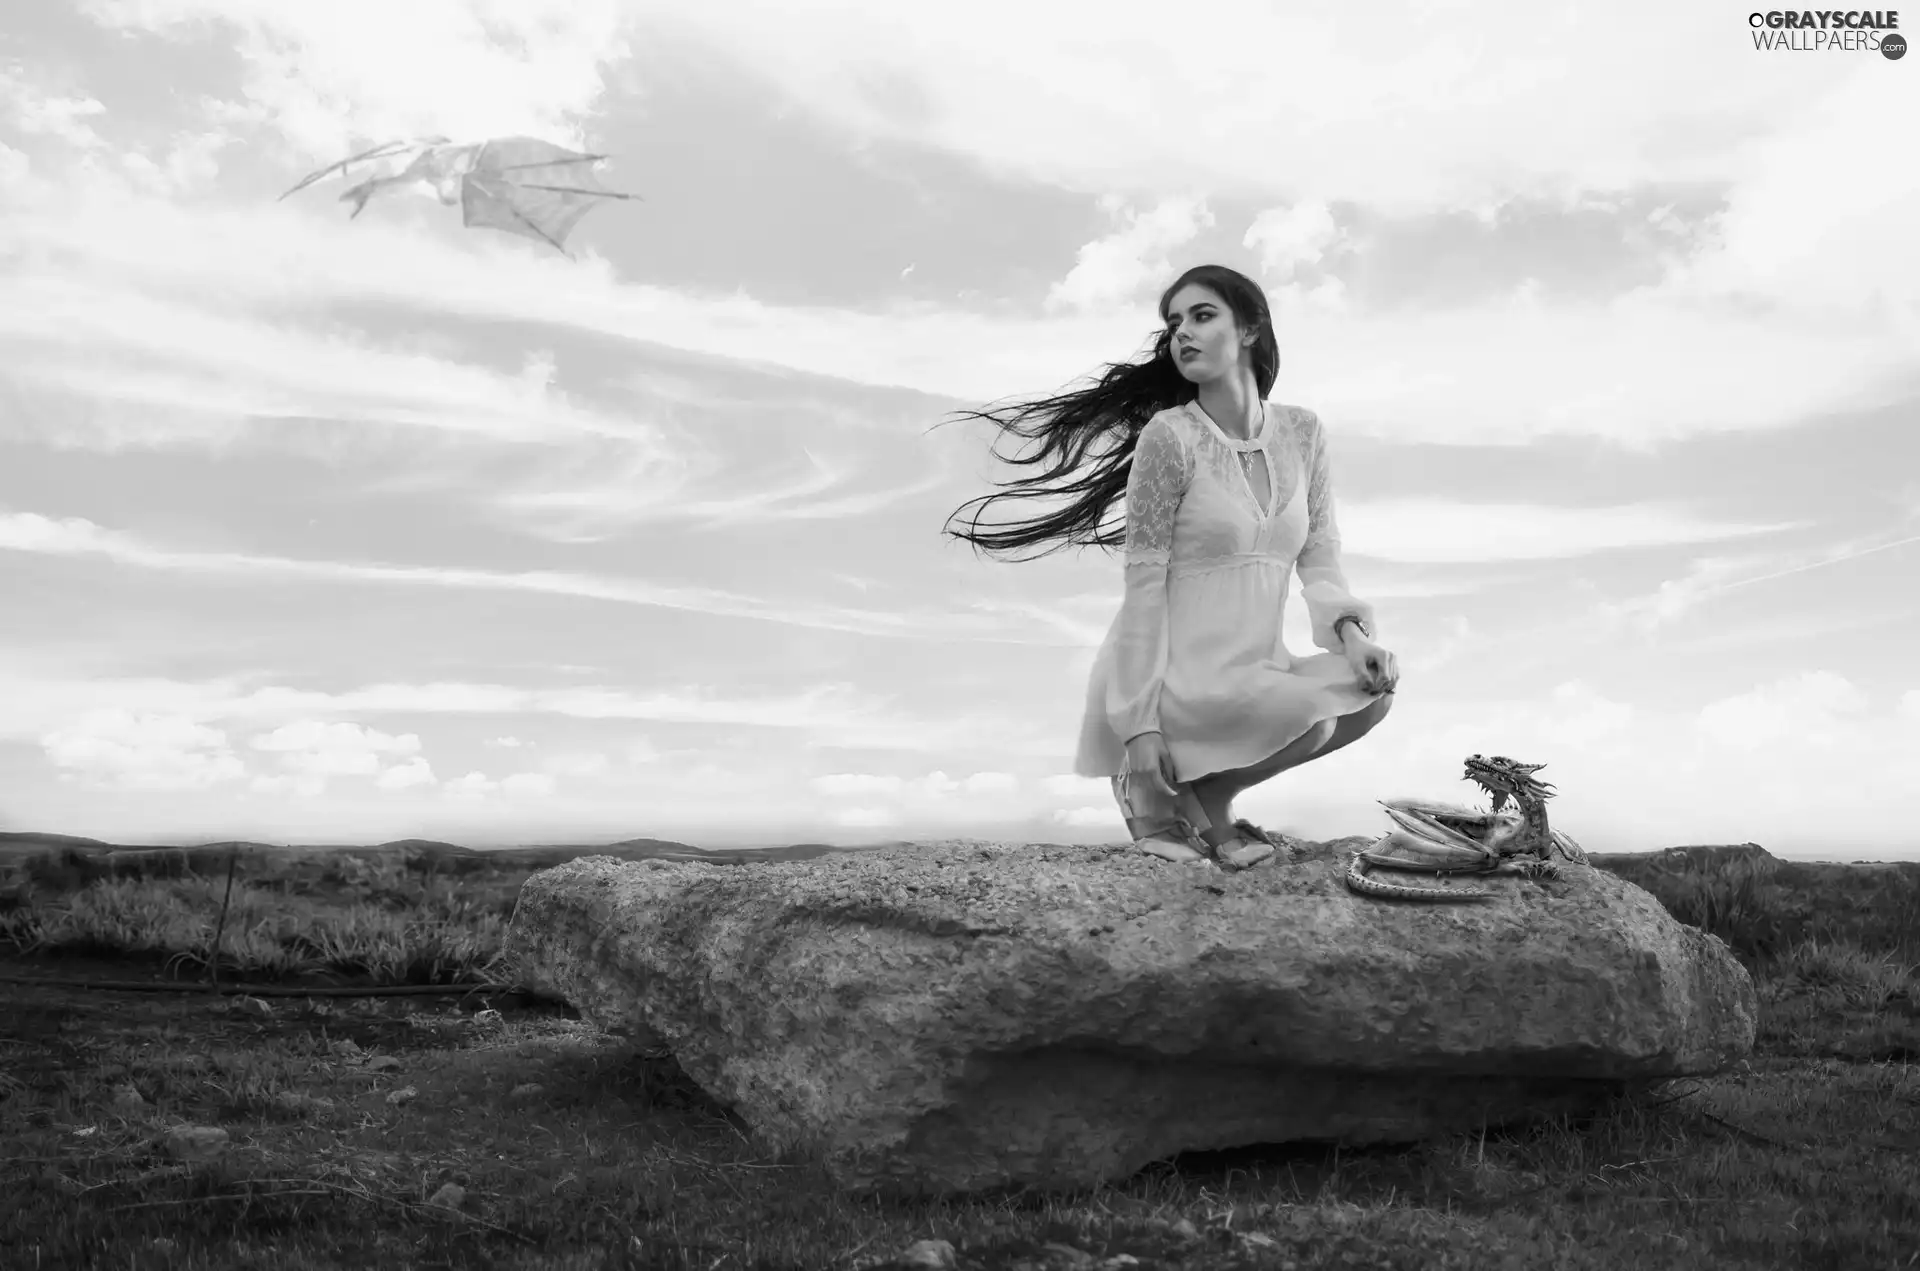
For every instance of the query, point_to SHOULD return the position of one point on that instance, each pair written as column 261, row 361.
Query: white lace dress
column 1195, row 652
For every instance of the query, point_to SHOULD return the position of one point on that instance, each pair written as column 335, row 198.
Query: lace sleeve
column 1323, row 581
column 1155, row 486
column 1161, row 469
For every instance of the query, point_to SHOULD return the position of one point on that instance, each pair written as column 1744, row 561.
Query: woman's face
column 1203, row 338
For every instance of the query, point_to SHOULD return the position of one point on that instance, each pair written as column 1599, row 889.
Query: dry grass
column 429, row 933
column 616, row 1160
column 345, row 1122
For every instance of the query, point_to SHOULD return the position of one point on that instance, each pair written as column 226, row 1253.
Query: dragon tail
column 1358, row 880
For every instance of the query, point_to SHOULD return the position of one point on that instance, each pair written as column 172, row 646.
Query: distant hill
column 66, row 860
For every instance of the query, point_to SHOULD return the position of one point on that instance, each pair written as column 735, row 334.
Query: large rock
column 962, row 1015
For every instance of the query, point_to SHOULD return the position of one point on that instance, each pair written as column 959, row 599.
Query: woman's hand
column 1377, row 670
column 1148, row 755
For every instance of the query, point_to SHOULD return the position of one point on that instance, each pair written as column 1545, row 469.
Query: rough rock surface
column 958, row 1015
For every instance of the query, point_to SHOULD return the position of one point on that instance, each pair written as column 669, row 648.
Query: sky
column 317, row 529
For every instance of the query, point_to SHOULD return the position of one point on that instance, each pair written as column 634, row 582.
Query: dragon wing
column 383, row 151
column 1443, row 822
column 533, row 188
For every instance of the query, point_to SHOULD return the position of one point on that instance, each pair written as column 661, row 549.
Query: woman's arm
column 1323, row 583
column 1155, row 485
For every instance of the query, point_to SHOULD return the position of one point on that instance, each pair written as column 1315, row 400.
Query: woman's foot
column 1243, row 853
column 1234, row 842
column 1235, row 849
column 1168, row 849
column 1163, row 838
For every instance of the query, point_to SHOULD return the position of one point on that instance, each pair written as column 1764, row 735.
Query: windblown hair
column 1113, row 409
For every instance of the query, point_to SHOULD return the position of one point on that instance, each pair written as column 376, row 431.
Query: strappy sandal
column 1286, row 846
column 1168, row 837
column 1165, row 837
column 1248, row 847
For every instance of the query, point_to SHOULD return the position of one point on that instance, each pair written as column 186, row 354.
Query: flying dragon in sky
column 521, row 185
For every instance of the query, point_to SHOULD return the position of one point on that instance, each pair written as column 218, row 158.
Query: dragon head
column 1502, row 778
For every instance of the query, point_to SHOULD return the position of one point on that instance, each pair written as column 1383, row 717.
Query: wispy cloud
column 30, row 532
column 1708, row 577
column 44, row 702
column 1435, row 531
column 1499, row 370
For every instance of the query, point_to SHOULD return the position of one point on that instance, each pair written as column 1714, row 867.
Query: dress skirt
column 1224, row 704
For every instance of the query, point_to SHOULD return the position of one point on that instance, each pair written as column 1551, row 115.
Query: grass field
column 427, row 1132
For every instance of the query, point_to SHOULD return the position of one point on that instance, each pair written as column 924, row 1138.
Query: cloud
column 54, row 116
column 332, row 748
column 478, row 786
column 578, row 764
column 1411, row 108
column 119, row 748
column 405, row 776
column 822, row 715
column 1586, row 717
column 854, row 783
column 1066, row 786
column 326, row 76
column 1435, row 531
column 585, row 499
column 932, row 787
column 73, row 536
column 1090, row 818
column 1707, row 577
column 1497, row 370
column 307, row 785
column 1288, row 237
column 1810, row 761
column 1572, row 110
column 474, row 785
column 210, row 369
column 1809, row 708
column 1134, row 258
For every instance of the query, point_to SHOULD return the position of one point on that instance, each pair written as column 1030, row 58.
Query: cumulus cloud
column 1810, row 708
column 333, row 748
column 1120, row 267
column 1287, row 237
column 478, row 785
column 140, row 751
column 1082, row 818
column 405, row 776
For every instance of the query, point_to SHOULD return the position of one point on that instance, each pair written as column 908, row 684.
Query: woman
column 1194, row 697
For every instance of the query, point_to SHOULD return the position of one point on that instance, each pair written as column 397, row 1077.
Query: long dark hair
column 1116, row 406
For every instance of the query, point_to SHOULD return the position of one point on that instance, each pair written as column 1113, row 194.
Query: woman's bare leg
column 1217, row 790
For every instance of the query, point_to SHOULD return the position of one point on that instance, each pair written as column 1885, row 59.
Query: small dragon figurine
column 1440, row 838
